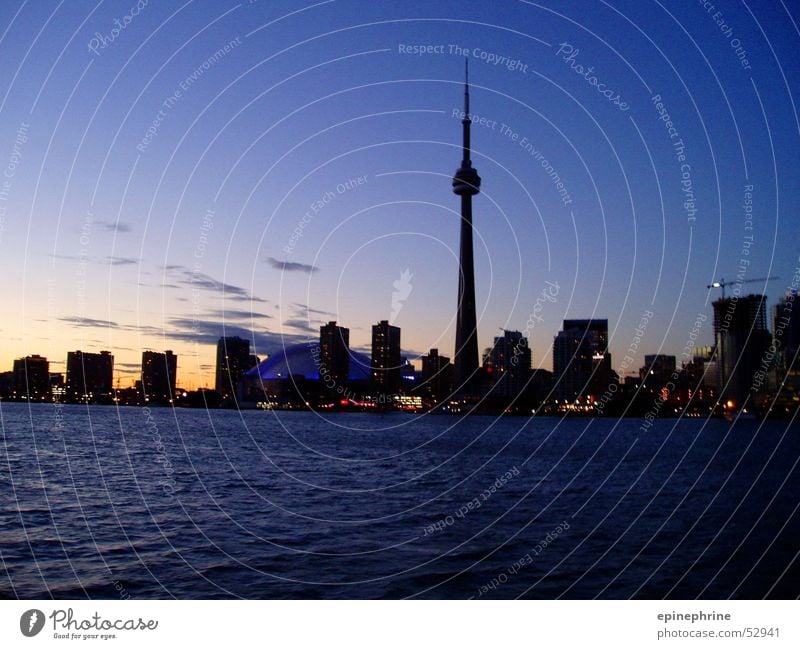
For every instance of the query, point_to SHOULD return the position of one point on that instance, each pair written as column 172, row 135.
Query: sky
column 176, row 172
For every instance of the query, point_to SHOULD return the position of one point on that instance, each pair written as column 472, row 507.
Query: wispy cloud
column 291, row 266
column 108, row 260
column 80, row 321
column 210, row 331
column 304, row 308
column 238, row 314
column 121, row 261
column 300, row 325
column 192, row 279
column 114, row 226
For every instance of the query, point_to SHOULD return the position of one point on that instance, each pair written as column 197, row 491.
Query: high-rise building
column 90, row 376
column 437, row 375
column 334, row 354
column 32, row 378
column 786, row 329
column 159, row 373
column 581, row 361
column 233, row 360
column 510, row 364
column 466, row 183
column 742, row 338
column 387, row 366
column 657, row 370
column 786, row 342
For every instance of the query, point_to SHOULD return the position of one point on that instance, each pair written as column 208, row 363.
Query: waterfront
column 108, row 502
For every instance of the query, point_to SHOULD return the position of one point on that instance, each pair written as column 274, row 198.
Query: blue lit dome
column 301, row 359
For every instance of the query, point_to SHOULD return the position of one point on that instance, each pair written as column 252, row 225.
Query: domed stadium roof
column 302, row 359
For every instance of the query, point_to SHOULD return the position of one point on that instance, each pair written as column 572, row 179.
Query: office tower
column 158, row 376
column 386, row 362
column 786, row 330
column 510, row 364
column 437, row 375
column 233, row 360
column 90, row 376
column 334, row 354
column 581, row 362
column 657, row 371
column 466, row 183
column 32, row 378
column 742, row 338
column 786, row 343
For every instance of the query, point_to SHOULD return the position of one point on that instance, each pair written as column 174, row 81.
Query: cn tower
column 466, row 183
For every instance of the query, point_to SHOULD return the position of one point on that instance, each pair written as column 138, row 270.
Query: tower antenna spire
column 466, row 87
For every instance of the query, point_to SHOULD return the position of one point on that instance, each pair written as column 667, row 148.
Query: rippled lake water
column 102, row 502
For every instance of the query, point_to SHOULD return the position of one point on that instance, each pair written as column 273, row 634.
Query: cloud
column 80, row 321
column 291, row 266
column 132, row 366
column 188, row 278
column 108, row 260
column 300, row 325
column 304, row 308
column 120, row 261
column 238, row 314
column 210, row 331
column 114, row 226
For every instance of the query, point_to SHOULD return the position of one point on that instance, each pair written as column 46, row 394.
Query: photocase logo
column 402, row 289
column 31, row 622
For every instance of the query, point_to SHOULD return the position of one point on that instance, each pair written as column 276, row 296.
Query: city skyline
column 243, row 188
column 747, row 360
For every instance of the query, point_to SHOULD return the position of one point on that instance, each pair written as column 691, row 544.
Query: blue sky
column 118, row 237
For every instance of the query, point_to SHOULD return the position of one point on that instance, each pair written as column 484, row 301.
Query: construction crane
column 722, row 283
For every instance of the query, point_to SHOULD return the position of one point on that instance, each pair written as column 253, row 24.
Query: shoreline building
column 90, row 376
column 334, row 354
column 437, row 376
column 233, row 360
column 159, row 373
column 32, row 378
column 510, row 362
column 387, row 365
column 581, row 361
column 742, row 338
column 466, row 183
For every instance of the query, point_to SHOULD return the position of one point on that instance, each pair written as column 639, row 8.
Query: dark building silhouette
column 786, row 343
column 786, row 330
column 334, row 354
column 6, row 385
column 581, row 361
column 159, row 373
column 387, row 366
column 466, row 183
column 32, row 378
column 657, row 370
column 233, row 360
column 436, row 378
column 90, row 376
column 742, row 338
column 510, row 364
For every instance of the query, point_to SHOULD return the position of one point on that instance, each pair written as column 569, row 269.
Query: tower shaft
column 466, row 354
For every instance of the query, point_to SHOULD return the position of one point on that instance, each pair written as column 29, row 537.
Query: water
column 102, row 502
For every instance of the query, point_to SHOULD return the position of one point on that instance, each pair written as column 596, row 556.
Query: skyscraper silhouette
column 386, row 362
column 233, row 360
column 466, row 183
column 159, row 373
